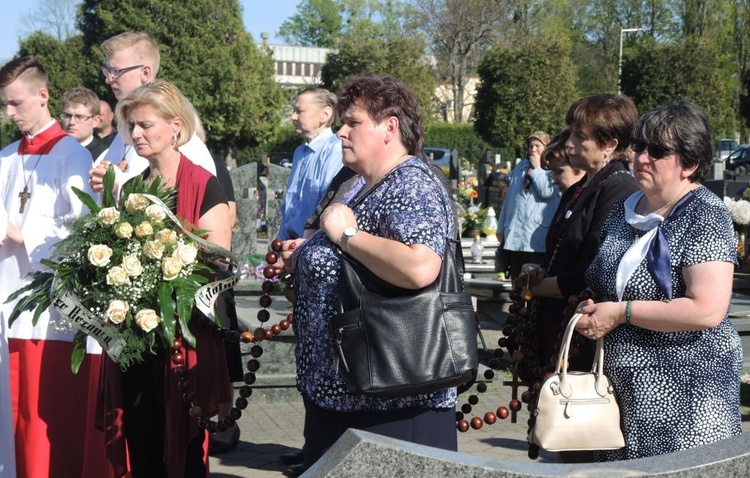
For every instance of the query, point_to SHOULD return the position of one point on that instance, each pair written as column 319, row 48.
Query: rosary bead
column 503, row 412
column 265, row 301
column 178, row 359
column 245, row 391
column 183, row 384
column 228, row 422
column 284, row 324
column 263, row 315
column 490, row 418
column 260, row 333
column 249, row 378
column 489, row 374
column 276, row 329
column 481, row 387
column 211, row 427
column 235, row 413
column 220, row 427
column 268, row 272
column 459, row 416
column 267, row 286
column 253, row 365
column 463, row 426
column 473, row 399
column 515, row 405
column 256, row 351
column 276, row 245
column 272, row 258
column 247, row 337
column 476, row 423
column 203, row 423
column 234, row 336
column 466, row 408
column 241, row 403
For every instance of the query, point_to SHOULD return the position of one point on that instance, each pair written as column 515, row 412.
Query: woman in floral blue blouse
column 398, row 232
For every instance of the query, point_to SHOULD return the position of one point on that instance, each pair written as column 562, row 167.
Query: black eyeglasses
column 654, row 150
column 78, row 118
column 115, row 73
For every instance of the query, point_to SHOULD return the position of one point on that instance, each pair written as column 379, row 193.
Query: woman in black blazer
column 601, row 129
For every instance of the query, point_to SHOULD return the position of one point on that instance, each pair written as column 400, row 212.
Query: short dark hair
column 28, row 67
column 382, row 97
column 682, row 127
column 604, row 117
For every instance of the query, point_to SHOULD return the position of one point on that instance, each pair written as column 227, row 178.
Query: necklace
column 25, row 195
column 670, row 203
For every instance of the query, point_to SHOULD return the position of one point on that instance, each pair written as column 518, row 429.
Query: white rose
column 153, row 249
column 155, row 213
column 185, row 253
column 136, row 202
column 124, row 230
column 117, row 276
column 144, row 229
column 147, row 319
column 132, row 265
column 117, row 311
column 99, row 255
column 171, row 268
column 167, row 236
column 108, row 216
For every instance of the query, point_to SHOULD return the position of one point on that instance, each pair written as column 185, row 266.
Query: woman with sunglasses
column 663, row 280
column 601, row 127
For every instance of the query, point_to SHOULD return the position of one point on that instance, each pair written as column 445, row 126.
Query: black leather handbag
column 394, row 342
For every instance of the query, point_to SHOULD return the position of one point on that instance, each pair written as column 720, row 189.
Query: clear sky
column 259, row 16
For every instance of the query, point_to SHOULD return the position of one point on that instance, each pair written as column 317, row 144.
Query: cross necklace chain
column 25, row 195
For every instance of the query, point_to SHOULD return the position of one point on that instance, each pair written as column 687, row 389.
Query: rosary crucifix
column 24, row 195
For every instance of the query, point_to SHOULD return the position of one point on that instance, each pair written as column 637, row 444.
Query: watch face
column 350, row 231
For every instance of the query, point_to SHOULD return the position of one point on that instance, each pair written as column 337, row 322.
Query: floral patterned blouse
column 409, row 206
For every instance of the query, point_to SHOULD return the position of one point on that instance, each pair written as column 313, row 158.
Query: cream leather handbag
column 577, row 410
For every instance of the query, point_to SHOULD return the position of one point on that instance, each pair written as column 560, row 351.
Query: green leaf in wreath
column 167, row 306
column 185, row 295
column 87, row 200
column 79, row 351
column 108, row 184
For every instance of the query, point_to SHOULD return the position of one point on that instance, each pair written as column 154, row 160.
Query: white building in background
column 444, row 97
column 298, row 66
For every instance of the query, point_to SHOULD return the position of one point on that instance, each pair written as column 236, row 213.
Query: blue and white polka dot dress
column 676, row 390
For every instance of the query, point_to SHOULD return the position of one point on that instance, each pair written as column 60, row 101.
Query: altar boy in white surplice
column 37, row 174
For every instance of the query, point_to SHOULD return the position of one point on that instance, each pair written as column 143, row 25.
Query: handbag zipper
column 339, row 339
column 567, row 402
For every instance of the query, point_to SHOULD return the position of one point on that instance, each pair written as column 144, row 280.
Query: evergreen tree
column 522, row 89
column 207, row 53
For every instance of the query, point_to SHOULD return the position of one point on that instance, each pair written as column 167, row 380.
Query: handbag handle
column 597, row 367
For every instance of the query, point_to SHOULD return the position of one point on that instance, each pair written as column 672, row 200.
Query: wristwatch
column 349, row 232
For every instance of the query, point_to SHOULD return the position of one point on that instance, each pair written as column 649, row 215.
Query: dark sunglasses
column 654, row 150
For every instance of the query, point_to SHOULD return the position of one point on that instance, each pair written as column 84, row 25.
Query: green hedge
column 459, row 136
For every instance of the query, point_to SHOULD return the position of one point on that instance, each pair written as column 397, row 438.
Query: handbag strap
column 597, row 366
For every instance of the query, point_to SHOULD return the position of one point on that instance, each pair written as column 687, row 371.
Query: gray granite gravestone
column 364, row 454
column 244, row 235
column 277, row 179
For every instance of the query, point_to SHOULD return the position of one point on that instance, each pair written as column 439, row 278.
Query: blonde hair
column 143, row 46
column 82, row 96
column 29, row 68
column 168, row 102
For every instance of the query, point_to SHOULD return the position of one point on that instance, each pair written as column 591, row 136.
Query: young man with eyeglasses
column 50, row 405
column 132, row 60
column 80, row 115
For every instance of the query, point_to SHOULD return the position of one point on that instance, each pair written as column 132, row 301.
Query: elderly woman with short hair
column 663, row 281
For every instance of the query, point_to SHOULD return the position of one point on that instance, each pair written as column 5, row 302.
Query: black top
column 109, row 138
column 96, row 147
column 577, row 225
column 222, row 174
